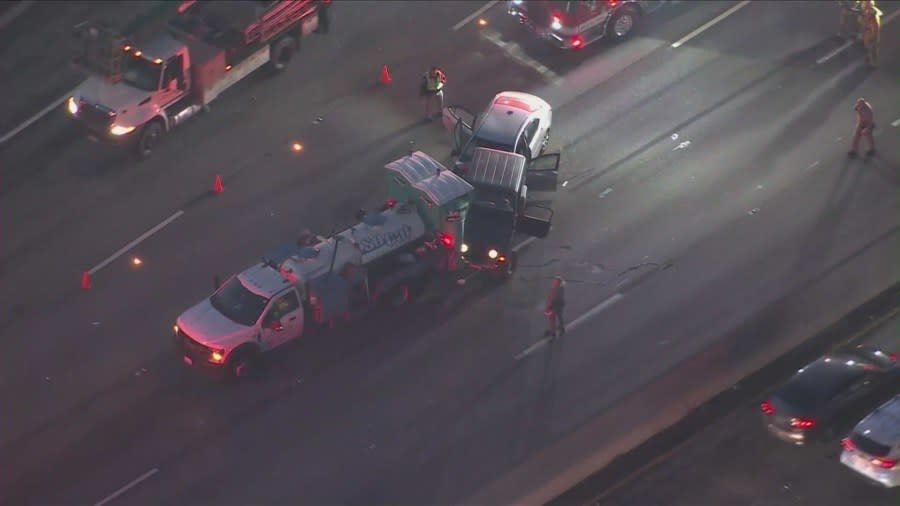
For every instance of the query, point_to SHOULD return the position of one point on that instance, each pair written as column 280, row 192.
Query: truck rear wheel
column 149, row 138
column 241, row 364
column 281, row 52
column 623, row 23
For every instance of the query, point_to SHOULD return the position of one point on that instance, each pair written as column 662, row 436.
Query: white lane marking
column 594, row 311
column 896, row 123
column 843, row 47
column 574, row 324
column 135, row 482
column 524, row 243
column 27, row 123
column 811, row 166
column 15, row 12
column 474, row 15
column 709, row 24
column 516, row 53
column 135, row 242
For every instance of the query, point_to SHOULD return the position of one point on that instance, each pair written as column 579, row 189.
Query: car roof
column 821, row 380
column 883, row 424
column 263, row 280
column 506, row 116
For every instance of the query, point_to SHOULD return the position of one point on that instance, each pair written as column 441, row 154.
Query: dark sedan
column 831, row 393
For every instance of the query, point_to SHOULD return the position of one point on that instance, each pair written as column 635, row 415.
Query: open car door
column 542, row 174
column 535, row 221
column 459, row 122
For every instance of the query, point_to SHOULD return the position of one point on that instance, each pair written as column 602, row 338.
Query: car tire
column 623, row 23
column 282, row 52
column 241, row 364
column 150, row 136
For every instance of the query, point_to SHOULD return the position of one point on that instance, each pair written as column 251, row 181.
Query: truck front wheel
column 281, row 53
column 623, row 23
column 241, row 364
column 149, row 138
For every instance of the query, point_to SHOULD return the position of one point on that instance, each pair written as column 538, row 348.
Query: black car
column 831, row 394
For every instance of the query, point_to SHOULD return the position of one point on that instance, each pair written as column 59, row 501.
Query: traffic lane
column 153, row 190
column 36, row 52
column 767, row 472
column 801, row 212
column 185, row 168
column 117, row 314
column 489, row 397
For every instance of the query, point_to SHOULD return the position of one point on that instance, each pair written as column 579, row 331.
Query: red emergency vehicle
column 575, row 24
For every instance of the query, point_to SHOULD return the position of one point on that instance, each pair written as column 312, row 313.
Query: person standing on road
column 850, row 12
column 865, row 123
column 556, row 304
column 433, row 90
column 870, row 21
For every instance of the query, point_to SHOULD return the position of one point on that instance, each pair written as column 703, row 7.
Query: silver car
column 873, row 447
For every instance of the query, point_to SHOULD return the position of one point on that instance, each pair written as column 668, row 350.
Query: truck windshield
column 141, row 73
column 237, row 303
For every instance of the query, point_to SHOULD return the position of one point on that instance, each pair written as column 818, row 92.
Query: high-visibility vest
column 434, row 81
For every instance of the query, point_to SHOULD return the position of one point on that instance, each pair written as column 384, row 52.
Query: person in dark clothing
column 556, row 304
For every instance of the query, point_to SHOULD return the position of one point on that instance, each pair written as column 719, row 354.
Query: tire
column 623, row 24
column 149, row 138
column 241, row 364
column 281, row 53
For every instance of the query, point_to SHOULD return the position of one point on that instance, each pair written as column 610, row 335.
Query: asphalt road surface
column 736, row 462
column 709, row 215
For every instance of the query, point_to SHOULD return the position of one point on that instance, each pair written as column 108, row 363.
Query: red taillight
column 556, row 20
column 390, row 203
column 885, row 463
column 802, row 423
column 447, row 240
column 612, row 3
column 847, row 444
column 892, row 356
column 577, row 41
column 767, row 408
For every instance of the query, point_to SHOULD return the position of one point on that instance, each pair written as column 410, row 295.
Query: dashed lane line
column 474, row 15
column 594, row 311
column 128, row 247
column 133, row 483
column 709, row 24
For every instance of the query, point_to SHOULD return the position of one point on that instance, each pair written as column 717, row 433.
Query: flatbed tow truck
column 382, row 261
column 142, row 85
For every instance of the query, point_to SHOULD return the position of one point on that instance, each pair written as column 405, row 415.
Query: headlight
column 517, row 2
column 72, row 105
column 175, row 329
column 463, row 248
column 493, row 254
column 556, row 24
column 120, row 130
column 217, row 356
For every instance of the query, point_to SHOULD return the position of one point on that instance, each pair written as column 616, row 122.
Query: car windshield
column 237, row 303
column 141, row 73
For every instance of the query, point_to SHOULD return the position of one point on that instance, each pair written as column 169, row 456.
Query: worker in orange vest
column 850, row 12
column 870, row 21
column 556, row 304
column 865, row 123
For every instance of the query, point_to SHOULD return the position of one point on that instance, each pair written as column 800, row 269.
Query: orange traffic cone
column 85, row 280
column 385, row 75
column 217, row 185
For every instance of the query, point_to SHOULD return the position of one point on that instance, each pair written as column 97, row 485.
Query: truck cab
column 500, row 207
column 573, row 24
column 252, row 312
